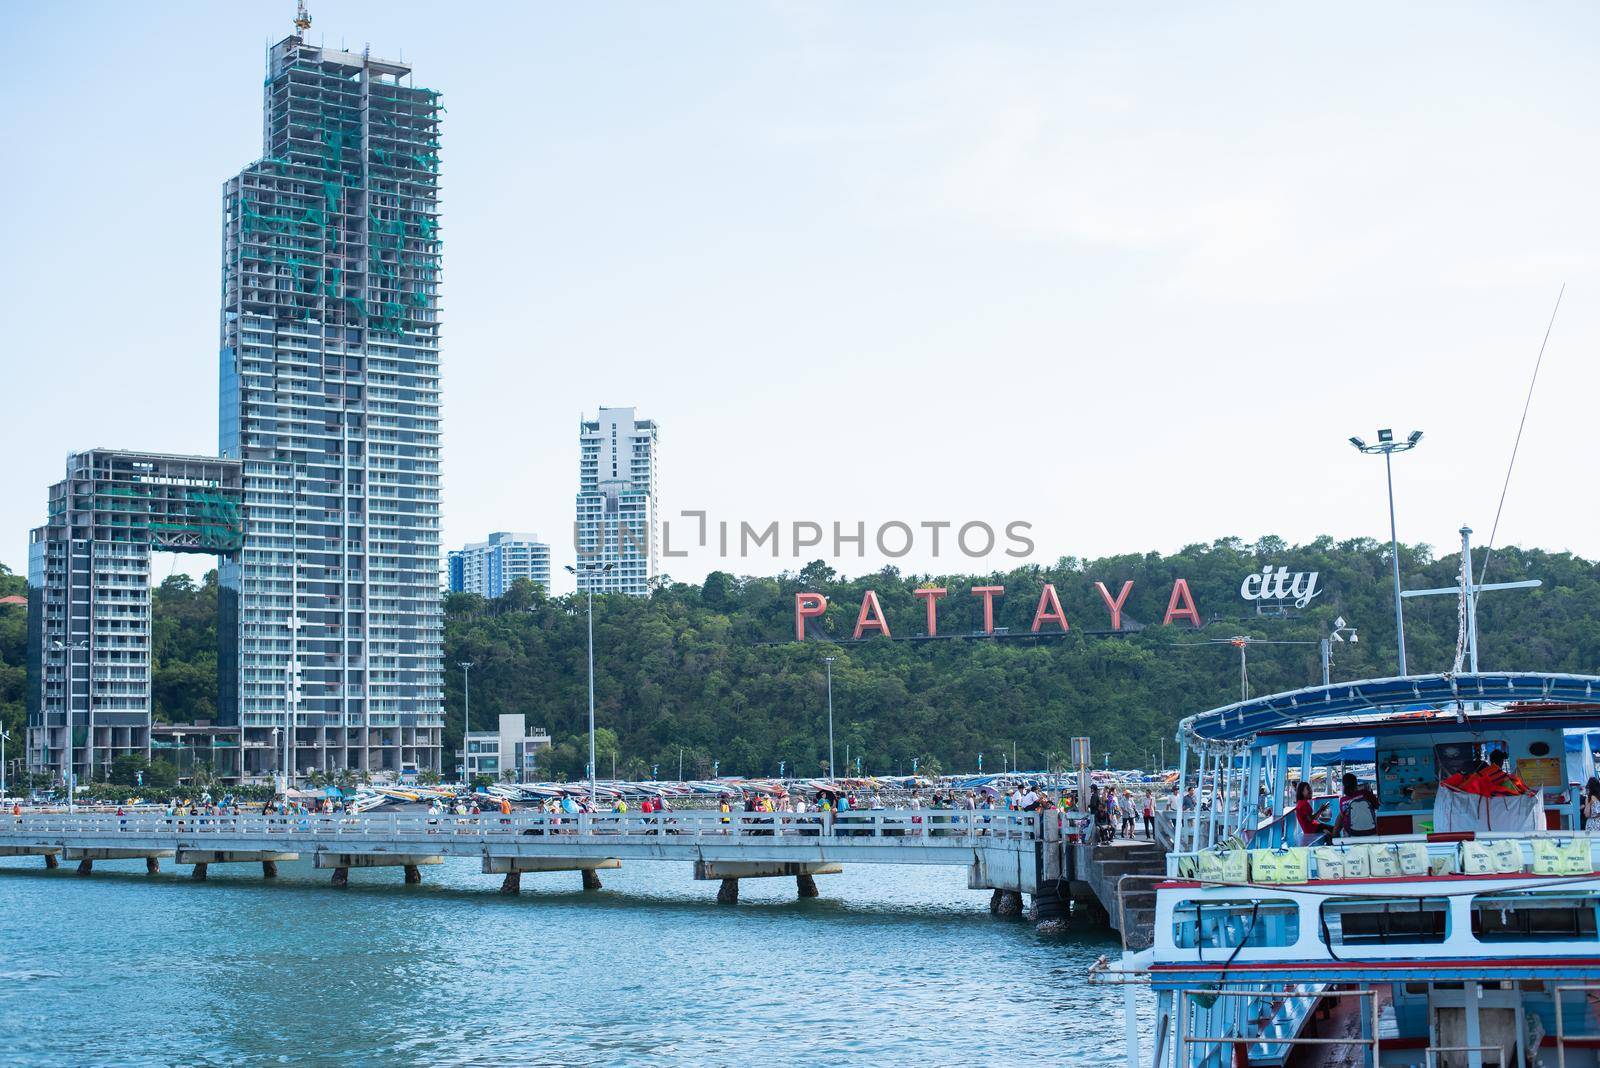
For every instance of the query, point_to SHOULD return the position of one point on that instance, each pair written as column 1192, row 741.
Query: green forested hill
column 713, row 670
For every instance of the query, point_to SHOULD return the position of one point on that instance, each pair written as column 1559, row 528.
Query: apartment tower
column 330, row 401
column 616, row 514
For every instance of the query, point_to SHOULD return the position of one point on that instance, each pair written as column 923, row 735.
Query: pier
column 1010, row 854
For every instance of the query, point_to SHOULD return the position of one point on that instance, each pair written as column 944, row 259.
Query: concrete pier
column 199, row 872
column 341, row 863
column 591, row 879
column 85, row 866
column 728, row 892
column 152, row 865
column 512, row 884
column 50, row 861
column 269, row 868
column 805, row 885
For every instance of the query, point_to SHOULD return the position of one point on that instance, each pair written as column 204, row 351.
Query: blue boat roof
column 1245, row 719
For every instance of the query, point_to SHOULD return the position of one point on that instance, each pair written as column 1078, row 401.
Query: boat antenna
column 1488, row 549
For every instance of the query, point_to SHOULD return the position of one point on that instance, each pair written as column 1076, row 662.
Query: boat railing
column 1443, row 846
column 1203, row 1002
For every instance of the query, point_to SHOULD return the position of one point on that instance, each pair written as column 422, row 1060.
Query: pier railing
column 932, row 827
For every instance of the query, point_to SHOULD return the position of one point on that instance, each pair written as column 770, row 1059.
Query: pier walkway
column 1009, row 853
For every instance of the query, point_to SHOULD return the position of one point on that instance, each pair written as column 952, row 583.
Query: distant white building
column 616, row 517
column 513, row 748
column 490, row 568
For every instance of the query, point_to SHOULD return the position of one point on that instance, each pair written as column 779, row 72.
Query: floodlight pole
column 828, row 660
column 1387, row 446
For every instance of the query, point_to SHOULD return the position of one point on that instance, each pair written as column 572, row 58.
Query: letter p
column 806, row 606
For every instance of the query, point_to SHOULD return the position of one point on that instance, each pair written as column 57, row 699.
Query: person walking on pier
column 1150, row 815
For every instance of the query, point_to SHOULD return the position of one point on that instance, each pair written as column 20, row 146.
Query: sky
column 1128, row 274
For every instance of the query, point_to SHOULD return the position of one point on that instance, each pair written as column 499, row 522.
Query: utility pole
column 588, row 585
column 828, row 660
column 466, row 713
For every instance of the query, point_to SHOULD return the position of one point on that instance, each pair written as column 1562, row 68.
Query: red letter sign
column 1049, row 608
column 930, row 596
column 871, row 616
column 1115, row 606
column 807, row 605
column 988, row 595
column 1180, row 592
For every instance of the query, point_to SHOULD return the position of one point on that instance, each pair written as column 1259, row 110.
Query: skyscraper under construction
column 330, row 398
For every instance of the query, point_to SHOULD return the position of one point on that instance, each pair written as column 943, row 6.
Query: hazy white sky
column 1131, row 274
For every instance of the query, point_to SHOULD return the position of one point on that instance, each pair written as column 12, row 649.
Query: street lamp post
column 588, row 586
column 5, row 737
column 466, row 712
column 70, row 756
column 828, row 660
column 1387, row 446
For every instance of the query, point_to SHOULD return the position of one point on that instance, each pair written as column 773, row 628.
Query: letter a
column 1115, row 606
column 1180, row 592
column 807, row 605
column 871, row 616
column 1049, row 608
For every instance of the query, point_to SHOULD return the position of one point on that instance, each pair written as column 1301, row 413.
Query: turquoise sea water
column 890, row 966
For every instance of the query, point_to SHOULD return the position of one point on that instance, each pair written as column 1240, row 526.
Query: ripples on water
column 891, row 966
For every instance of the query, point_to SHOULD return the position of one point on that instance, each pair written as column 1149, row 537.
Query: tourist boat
column 1464, row 932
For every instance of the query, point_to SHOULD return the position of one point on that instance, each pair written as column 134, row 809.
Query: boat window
column 1229, row 924
column 1385, row 921
column 1536, row 916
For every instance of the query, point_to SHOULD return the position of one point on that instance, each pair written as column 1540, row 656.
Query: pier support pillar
column 805, row 885
column 413, row 874
column 198, row 874
column 341, row 877
column 85, row 866
column 513, row 883
column 50, row 861
column 269, row 869
column 591, row 879
column 1049, row 910
column 1006, row 903
column 728, row 892
column 152, row 865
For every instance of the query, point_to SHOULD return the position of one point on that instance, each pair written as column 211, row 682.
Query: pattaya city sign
column 870, row 620
column 1277, row 584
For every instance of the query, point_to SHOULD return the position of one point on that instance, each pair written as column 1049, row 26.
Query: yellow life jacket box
column 1562, row 856
column 1343, row 862
column 1385, row 862
column 1476, row 859
column 1264, row 866
column 1294, row 865
column 1225, row 866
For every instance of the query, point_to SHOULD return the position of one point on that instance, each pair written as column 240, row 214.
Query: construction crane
column 302, row 19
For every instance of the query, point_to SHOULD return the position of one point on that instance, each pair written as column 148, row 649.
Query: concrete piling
column 728, row 892
column 591, row 879
column 50, row 862
column 413, row 874
column 152, row 865
column 198, row 874
column 85, row 866
column 341, row 877
column 513, row 883
column 269, row 869
column 805, row 885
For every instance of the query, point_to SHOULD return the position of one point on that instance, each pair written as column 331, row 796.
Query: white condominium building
column 616, row 516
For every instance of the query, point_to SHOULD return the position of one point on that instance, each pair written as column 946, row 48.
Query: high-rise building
column 330, row 399
column 616, row 518
column 490, row 568
column 88, row 695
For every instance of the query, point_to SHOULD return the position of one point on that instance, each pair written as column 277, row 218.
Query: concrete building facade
column 490, row 568
column 512, row 747
column 88, row 696
column 330, row 401
column 618, row 475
